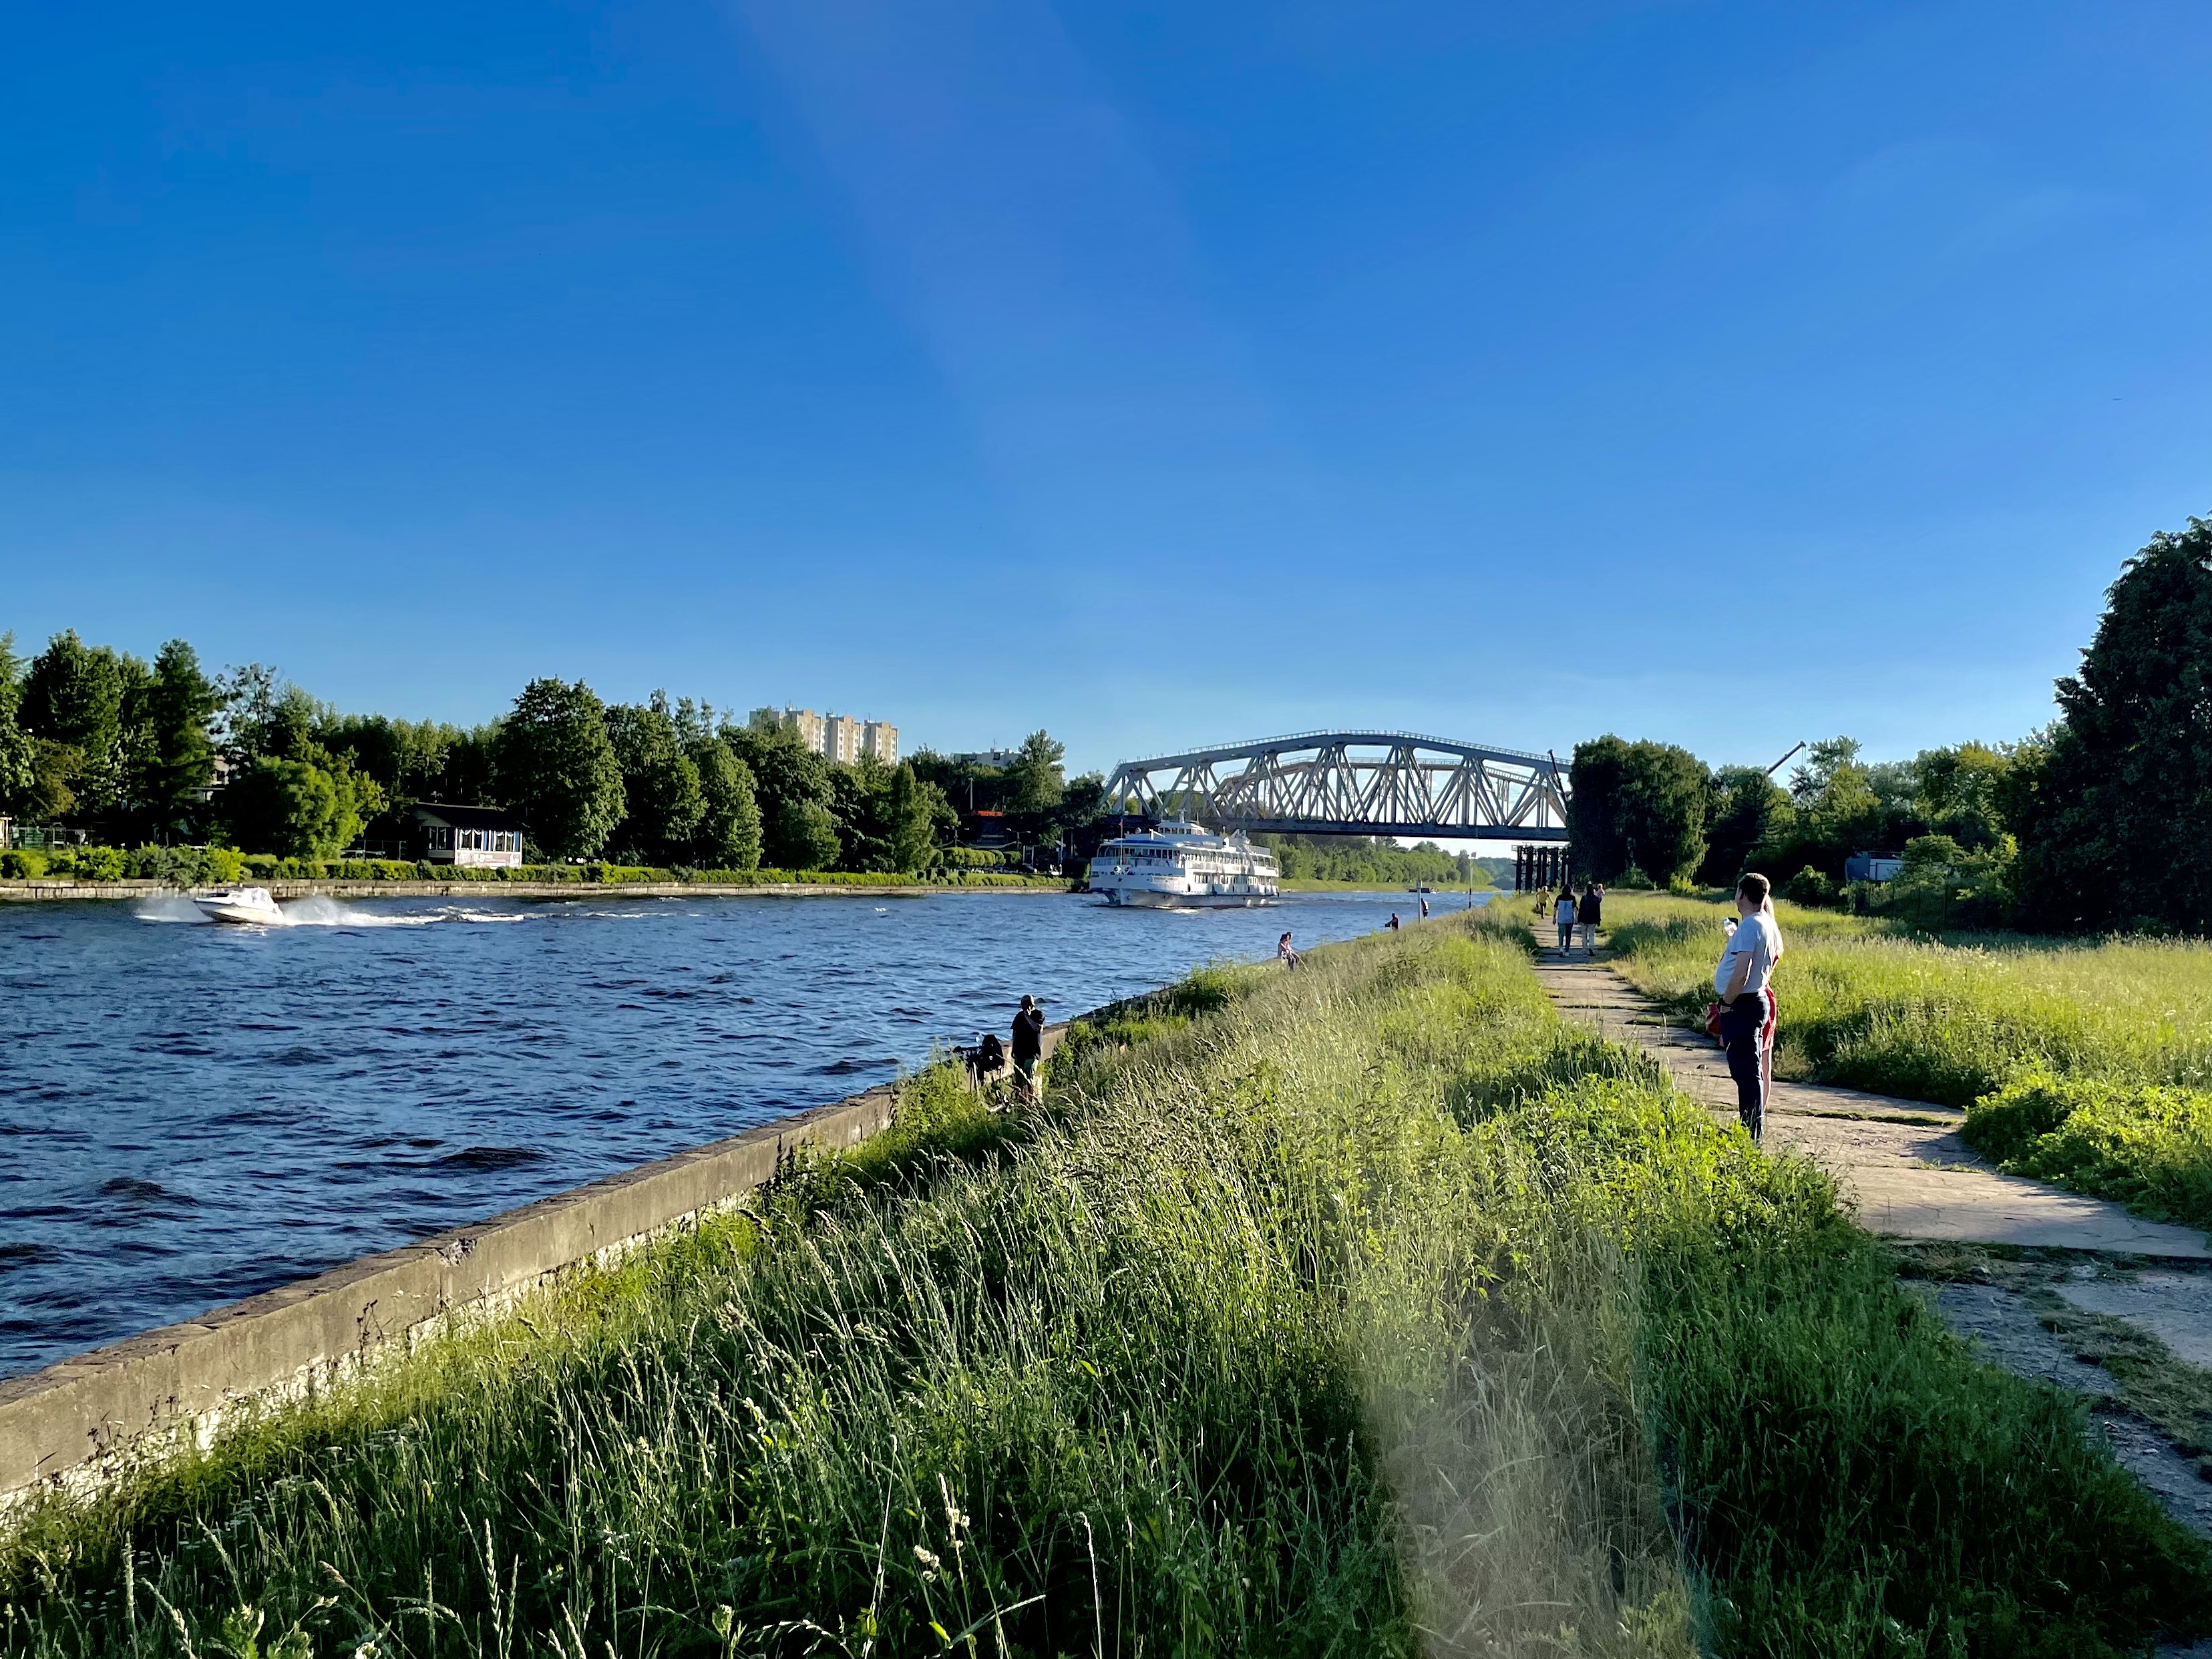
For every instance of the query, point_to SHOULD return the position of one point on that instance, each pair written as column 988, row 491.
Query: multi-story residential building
column 838, row 738
column 805, row 721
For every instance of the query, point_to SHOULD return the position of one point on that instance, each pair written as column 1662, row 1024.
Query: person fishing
column 1743, row 980
column 1029, row 1046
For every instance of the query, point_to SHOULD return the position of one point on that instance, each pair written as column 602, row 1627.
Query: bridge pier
column 1538, row 869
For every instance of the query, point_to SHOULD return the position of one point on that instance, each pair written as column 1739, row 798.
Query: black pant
column 1740, row 1025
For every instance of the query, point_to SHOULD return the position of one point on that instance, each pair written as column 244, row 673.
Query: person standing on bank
column 1029, row 1046
column 1562, row 916
column 1744, row 983
column 1587, row 915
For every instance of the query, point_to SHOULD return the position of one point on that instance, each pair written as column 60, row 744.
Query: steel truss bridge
column 1354, row 783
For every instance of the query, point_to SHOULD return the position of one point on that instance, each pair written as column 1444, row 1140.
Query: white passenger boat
column 1183, row 866
column 246, row 904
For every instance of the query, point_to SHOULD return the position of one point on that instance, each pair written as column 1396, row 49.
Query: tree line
column 2099, row 821
column 132, row 752
column 1373, row 859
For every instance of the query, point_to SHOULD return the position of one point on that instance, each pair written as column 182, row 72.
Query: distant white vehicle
column 251, row 905
column 1184, row 867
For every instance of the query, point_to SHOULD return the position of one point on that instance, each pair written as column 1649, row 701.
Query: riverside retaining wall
column 23, row 891
column 80, row 1422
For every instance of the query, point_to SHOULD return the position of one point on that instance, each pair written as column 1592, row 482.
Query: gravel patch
column 2009, row 1335
column 2176, row 1308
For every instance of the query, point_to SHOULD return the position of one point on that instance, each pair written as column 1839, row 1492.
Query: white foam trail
column 334, row 913
column 167, row 907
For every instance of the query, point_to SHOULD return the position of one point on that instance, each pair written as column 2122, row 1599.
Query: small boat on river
column 1180, row 867
column 250, row 905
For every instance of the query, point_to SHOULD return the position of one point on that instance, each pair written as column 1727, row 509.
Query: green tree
column 788, row 776
column 74, row 694
column 1641, row 804
column 2114, row 809
column 73, row 705
column 264, row 713
column 554, row 765
column 729, row 834
column 1595, row 780
column 1839, row 806
column 911, row 814
column 1747, row 808
column 663, row 803
column 1035, row 782
column 18, row 750
column 1961, row 790
column 803, row 836
column 411, row 760
column 299, row 808
column 178, row 750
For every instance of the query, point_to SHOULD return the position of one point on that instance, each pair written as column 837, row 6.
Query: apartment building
column 839, row 737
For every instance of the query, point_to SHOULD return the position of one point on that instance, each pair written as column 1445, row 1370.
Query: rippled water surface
column 190, row 1113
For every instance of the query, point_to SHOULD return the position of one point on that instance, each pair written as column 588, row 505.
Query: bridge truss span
column 1354, row 783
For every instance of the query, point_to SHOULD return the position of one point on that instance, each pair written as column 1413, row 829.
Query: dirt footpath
column 1906, row 1169
column 2077, row 1292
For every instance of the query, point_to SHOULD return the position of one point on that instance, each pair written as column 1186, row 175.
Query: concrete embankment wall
column 27, row 890
column 84, row 1420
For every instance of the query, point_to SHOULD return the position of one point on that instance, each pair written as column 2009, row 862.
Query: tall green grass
column 2085, row 1063
column 1362, row 1309
column 1946, row 1020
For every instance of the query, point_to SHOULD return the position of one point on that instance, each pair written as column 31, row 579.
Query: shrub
column 24, row 865
column 103, row 863
column 1809, row 886
column 977, row 858
column 2149, row 1147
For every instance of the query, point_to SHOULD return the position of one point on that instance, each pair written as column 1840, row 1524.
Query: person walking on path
column 1743, row 982
column 1589, row 914
column 1029, row 1046
column 1562, row 916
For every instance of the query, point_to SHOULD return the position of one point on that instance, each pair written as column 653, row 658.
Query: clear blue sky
column 1158, row 373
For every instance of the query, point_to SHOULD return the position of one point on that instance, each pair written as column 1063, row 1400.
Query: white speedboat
column 251, row 905
column 1184, row 867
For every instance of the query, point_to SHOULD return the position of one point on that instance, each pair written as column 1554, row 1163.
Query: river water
column 190, row 1113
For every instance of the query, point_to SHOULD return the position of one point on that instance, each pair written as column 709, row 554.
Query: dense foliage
column 2115, row 817
column 129, row 753
column 1372, row 861
column 2097, row 823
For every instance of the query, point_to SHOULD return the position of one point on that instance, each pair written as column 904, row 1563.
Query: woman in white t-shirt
column 1743, row 982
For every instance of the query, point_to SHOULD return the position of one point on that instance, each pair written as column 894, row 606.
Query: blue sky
column 1161, row 374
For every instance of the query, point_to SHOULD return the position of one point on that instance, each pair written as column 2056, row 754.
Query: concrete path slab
column 2176, row 1308
column 1902, row 1161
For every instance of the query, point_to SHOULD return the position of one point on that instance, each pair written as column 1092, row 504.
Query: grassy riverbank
column 1315, row 884
column 2089, row 1063
column 1363, row 1309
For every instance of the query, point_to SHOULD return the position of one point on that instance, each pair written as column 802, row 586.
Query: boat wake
column 322, row 913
